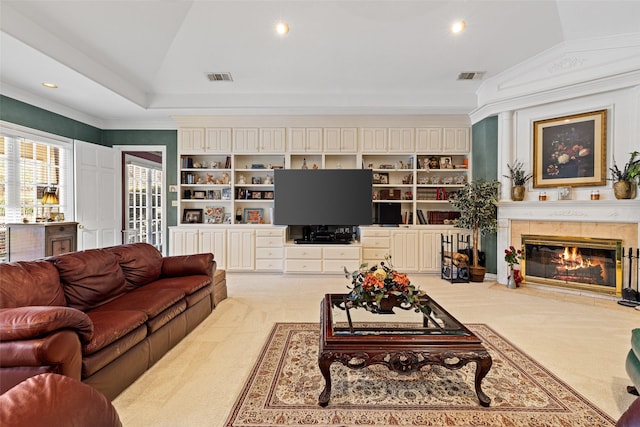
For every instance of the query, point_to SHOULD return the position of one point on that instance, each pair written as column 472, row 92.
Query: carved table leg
column 324, row 362
column 482, row 369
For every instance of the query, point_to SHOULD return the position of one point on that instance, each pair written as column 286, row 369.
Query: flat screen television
column 339, row 197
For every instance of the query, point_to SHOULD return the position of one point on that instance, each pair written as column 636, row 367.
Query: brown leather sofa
column 54, row 400
column 103, row 316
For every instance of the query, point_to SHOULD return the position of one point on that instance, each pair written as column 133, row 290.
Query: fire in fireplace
column 574, row 263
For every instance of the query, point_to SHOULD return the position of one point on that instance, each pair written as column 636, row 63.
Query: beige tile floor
column 581, row 339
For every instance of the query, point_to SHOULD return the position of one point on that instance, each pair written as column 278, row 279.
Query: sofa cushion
column 188, row 265
column 94, row 362
column 149, row 301
column 141, row 263
column 25, row 283
column 187, row 284
column 34, row 321
column 90, row 278
column 110, row 326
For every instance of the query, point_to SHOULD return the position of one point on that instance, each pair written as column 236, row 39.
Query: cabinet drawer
column 376, row 242
column 304, row 253
column 268, row 242
column 303, row 265
column 270, row 232
column 269, row 253
column 337, row 266
column 376, row 254
column 269, row 264
column 374, row 232
column 60, row 230
column 343, row 253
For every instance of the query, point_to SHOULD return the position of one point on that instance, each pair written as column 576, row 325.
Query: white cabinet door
column 349, row 140
column 456, row 140
column 241, row 250
column 314, row 140
column 191, row 140
column 272, row 140
column 401, row 140
column 405, row 250
column 429, row 140
column 214, row 241
column 218, row 140
column 332, row 139
column 305, row 140
column 183, row 241
column 430, row 251
column 245, row 140
column 373, row 140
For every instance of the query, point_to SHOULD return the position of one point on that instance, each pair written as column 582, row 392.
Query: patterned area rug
column 284, row 385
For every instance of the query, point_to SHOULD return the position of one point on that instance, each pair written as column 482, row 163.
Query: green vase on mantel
column 517, row 193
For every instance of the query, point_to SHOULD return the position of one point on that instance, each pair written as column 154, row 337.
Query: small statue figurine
column 225, row 178
column 268, row 180
column 210, row 179
column 241, row 179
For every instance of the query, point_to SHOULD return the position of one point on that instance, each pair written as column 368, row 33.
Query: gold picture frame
column 570, row 151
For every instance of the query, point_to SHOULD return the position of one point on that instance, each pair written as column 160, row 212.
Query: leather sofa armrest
column 35, row 321
column 189, row 265
column 55, row 400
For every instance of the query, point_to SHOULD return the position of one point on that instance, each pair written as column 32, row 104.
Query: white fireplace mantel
column 570, row 210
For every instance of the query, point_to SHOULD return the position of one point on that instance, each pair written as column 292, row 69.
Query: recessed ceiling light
column 50, row 85
column 282, row 28
column 458, row 27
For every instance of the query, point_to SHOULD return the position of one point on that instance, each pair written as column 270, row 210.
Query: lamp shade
column 50, row 197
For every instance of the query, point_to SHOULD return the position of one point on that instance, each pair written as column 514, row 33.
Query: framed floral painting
column 570, row 151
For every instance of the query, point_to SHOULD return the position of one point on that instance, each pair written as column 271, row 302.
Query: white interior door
column 97, row 206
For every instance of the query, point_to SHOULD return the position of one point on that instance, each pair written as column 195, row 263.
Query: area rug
column 284, row 385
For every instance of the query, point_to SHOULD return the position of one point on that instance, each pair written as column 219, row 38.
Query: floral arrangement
column 631, row 169
column 370, row 286
column 517, row 174
column 512, row 255
column 564, row 154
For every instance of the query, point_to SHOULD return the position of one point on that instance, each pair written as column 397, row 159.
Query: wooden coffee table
column 404, row 342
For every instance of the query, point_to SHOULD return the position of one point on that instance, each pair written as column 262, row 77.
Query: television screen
column 322, row 197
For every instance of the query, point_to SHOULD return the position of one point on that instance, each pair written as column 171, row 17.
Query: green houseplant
column 624, row 186
column 476, row 202
column 518, row 178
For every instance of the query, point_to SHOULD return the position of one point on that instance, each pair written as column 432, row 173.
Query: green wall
column 27, row 115
column 484, row 159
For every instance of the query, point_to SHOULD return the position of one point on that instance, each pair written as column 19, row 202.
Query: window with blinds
column 28, row 167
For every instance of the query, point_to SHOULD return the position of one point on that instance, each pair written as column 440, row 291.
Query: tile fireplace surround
column 610, row 219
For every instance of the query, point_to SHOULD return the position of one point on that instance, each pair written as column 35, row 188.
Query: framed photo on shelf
column 253, row 215
column 564, row 193
column 192, row 216
column 199, row 194
column 267, row 195
column 445, row 162
column 570, row 150
column 256, row 194
column 256, row 180
column 226, row 193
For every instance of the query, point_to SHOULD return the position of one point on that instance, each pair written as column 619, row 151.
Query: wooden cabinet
column 191, row 140
column 456, row 140
column 38, row 240
column 272, row 140
column 373, row 140
column 194, row 240
column 405, row 250
column 306, row 140
column 218, row 140
column 241, row 249
column 270, row 249
column 429, row 140
column 402, row 140
column 245, row 140
column 341, row 140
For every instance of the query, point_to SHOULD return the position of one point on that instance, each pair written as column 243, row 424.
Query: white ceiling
column 136, row 63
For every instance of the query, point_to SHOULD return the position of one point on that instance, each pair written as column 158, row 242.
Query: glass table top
column 431, row 320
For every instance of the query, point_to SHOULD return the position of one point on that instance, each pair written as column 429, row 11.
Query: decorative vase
column 387, row 304
column 517, row 193
column 623, row 189
column 511, row 280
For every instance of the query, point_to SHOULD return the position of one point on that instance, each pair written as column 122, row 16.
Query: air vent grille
column 471, row 75
column 220, row 77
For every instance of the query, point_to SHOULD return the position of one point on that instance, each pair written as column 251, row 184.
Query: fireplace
column 573, row 263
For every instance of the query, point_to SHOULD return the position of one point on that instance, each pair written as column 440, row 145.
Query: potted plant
column 476, row 202
column 518, row 178
column 624, row 186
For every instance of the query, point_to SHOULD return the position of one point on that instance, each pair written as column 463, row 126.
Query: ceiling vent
column 471, row 75
column 220, row 77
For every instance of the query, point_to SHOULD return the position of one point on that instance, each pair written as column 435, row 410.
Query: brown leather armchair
column 56, row 401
